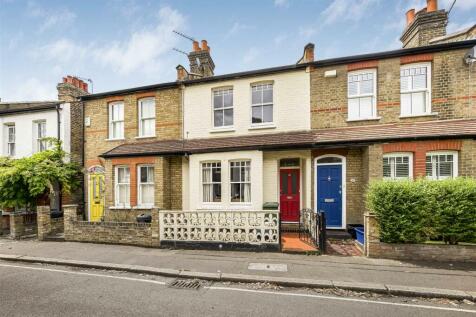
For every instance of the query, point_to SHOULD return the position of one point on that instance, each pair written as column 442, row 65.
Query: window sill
column 120, row 207
column 211, row 206
column 145, row 137
column 219, row 130
column 143, row 207
column 115, row 139
column 262, row 126
column 364, row 119
column 433, row 114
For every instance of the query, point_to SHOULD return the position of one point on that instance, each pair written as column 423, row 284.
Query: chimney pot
column 196, row 46
column 431, row 5
column 205, row 45
column 410, row 16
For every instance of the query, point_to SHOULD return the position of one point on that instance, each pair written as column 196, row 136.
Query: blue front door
column 329, row 193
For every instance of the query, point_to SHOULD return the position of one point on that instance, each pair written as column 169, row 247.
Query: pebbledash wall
column 168, row 126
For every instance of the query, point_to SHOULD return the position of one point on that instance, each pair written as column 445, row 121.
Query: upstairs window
column 441, row 165
column 397, row 166
column 10, row 135
column 122, row 186
column 261, row 103
column 39, row 133
column 415, row 92
column 147, row 117
column 240, row 181
column 222, row 107
column 211, row 182
column 146, row 185
column 361, row 93
column 116, row 120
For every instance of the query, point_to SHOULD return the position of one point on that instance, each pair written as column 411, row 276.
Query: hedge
column 417, row 211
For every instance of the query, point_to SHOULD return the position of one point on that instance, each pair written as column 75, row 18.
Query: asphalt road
column 40, row 290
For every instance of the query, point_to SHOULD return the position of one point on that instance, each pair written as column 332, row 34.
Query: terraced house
column 308, row 135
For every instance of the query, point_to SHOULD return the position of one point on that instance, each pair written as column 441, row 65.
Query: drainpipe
column 58, row 194
column 58, row 107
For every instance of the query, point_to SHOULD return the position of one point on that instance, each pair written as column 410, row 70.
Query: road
column 41, row 290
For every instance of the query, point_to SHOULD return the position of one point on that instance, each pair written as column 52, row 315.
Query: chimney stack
column 308, row 55
column 424, row 25
column 182, row 73
column 71, row 88
column 201, row 62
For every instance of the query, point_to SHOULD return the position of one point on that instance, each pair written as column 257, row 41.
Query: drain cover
column 186, row 284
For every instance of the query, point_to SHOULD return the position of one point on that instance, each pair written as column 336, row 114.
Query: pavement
column 451, row 280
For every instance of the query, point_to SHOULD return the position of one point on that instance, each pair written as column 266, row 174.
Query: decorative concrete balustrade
column 222, row 227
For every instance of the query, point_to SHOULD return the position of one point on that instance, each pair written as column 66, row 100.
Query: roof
column 303, row 139
column 26, row 106
column 294, row 67
column 465, row 31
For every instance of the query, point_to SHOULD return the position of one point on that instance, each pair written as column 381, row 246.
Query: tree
column 23, row 180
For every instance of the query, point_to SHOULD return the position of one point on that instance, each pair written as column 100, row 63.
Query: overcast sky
column 122, row 44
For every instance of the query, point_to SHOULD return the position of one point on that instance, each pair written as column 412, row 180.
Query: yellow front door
column 96, row 196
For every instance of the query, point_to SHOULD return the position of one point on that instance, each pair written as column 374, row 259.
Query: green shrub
column 415, row 211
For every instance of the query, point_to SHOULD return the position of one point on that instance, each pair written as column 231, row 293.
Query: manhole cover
column 186, row 284
column 268, row 267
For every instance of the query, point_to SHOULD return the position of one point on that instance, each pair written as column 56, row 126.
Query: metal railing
column 312, row 228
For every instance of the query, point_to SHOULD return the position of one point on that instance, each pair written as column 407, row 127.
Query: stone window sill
column 262, row 126
column 115, row 139
column 433, row 114
column 219, row 130
column 364, row 119
column 145, row 137
column 120, row 208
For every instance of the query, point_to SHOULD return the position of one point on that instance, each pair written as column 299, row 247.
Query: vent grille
column 186, row 284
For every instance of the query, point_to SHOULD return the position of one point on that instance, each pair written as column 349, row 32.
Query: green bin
column 271, row 206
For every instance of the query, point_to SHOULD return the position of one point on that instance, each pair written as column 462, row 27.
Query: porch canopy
column 302, row 139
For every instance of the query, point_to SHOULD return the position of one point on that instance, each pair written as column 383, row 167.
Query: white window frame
column 139, row 187
column 38, row 142
column 455, row 164
column 113, row 122
column 202, row 183
column 359, row 96
column 239, row 182
column 11, row 146
column 222, row 90
column 393, row 167
column 117, row 184
column 427, row 90
column 142, row 119
column 262, row 104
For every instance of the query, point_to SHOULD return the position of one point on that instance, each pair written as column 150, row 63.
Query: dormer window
column 223, row 107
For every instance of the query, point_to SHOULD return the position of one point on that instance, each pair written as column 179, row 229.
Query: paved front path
column 351, row 269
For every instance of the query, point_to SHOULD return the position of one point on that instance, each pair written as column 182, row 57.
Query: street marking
column 235, row 289
column 268, row 267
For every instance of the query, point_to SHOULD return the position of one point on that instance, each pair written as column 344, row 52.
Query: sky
column 127, row 43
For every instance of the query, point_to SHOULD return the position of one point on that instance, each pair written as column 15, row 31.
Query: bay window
column 122, row 186
column 211, row 182
column 240, row 181
column 361, row 94
column 441, row 165
column 147, row 117
column 116, row 120
column 398, row 166
column 415, row 89
column 222, row 107
column 145, row 174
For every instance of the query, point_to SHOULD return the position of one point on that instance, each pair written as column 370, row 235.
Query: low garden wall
column 413, row 251
column 112, row 232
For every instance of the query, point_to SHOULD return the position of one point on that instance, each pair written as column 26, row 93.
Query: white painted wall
column 291, row 105
column 194, row 200
column 24, row 143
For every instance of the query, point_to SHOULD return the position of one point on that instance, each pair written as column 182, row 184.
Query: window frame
column 10, row 152
column 395, row 155
column 40, row 145
column 359, row 96
column 455, row 164
column 262, row 105
column 202, row 184
column 223, row 108
column 112, row 122
column 427, row 90
column 142, row 119
column 239, row 182
column 117, row 184
column 139, row 187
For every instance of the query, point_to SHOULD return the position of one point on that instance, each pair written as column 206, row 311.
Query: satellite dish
column 470, row 56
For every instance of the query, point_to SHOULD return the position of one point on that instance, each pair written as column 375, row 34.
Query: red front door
column 289, row 199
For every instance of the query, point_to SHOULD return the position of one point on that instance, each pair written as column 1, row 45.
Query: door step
column 338, row 234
